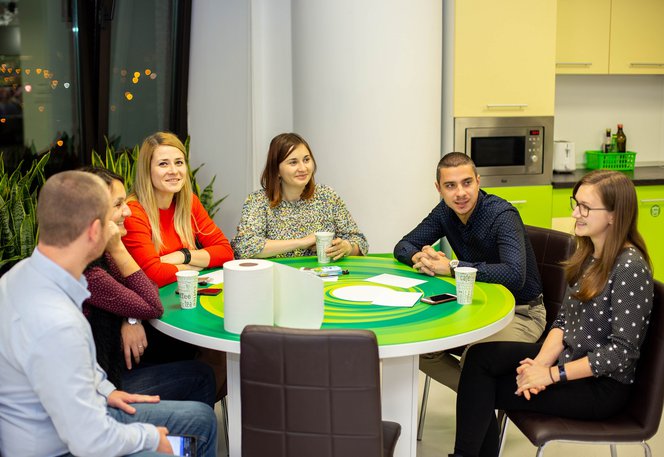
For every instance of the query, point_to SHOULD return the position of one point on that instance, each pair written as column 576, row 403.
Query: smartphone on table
column 438, row 299
column 183, row 445
column 208, row 291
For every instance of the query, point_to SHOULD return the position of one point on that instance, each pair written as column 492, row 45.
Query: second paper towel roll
column 248, row 294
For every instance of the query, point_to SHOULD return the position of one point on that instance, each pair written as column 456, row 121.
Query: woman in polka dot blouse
column 280, row 219
column 586, row 365
column 120, row 296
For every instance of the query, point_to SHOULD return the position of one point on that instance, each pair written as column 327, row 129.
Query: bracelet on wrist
column 187, row 255
column 553, row 381
column 562, row 373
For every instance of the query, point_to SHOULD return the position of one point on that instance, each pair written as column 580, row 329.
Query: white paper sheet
column 360, row 293
column 396, row 281
column 396, row 298
column 216, row 277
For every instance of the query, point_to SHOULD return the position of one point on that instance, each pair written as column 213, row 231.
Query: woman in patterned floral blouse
column 586, row 366
column 280, row 219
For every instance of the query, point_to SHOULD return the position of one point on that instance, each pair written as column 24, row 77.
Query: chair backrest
column 551, row 248
column 310, row 393
column 648, row 392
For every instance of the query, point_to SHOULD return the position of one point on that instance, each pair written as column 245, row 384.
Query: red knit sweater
column 138, row 240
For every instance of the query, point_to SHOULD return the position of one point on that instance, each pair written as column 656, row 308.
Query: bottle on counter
column 614, row 143
column 606, row 145
column 621, row 139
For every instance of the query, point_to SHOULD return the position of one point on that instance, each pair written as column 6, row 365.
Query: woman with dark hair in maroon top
column 121, row 296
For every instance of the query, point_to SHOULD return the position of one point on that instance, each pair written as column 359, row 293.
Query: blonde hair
column 144, row 191
column 618, row 195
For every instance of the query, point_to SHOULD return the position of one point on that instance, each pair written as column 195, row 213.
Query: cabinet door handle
column 573, row 64
column 652, row 200
column 647, row 64
column 517, row 202
column 507, row 105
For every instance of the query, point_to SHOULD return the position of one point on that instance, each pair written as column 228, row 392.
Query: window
column 75, row 72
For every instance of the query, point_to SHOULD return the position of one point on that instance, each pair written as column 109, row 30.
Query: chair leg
column 614, row 451
column 423, row 407
column 646, row 449
column 504, row 422
column 224, row 409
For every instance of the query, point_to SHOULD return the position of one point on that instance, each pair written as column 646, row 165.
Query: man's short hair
column 454, row 159
column 68, row 203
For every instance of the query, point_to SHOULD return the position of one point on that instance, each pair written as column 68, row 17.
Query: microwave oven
column 507, row 151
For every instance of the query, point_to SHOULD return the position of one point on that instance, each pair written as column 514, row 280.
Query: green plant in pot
column 18, row 211
column 123, row 163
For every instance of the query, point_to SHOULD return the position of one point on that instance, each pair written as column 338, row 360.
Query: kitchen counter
column 641, row 176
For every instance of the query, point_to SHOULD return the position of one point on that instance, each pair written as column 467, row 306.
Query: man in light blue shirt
column 54, row 398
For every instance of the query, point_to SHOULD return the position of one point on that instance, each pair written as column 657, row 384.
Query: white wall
column 220, row 102
column 361, row 80
column 367, row 91
column 587, row 105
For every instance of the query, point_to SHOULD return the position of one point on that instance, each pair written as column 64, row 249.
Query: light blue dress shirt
column 52, row 392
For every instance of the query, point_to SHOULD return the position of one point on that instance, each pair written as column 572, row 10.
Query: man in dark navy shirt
column 485, row 232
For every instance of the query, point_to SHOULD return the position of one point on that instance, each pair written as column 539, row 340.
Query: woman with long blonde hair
column 169, row 229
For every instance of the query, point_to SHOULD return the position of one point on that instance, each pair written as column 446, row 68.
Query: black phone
column 208, row 291
column 183, row 445
column 437, row 299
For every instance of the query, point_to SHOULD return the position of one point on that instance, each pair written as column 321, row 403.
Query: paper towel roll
column 298, row 298
column 248, row 294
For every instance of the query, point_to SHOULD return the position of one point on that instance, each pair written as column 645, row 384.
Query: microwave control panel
column 534, row 144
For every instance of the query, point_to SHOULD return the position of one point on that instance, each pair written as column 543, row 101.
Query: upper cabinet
column 610, row 37
column 582, row 36
column 504, row 58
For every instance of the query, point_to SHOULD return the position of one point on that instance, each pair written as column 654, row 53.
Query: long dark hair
column 618, row 195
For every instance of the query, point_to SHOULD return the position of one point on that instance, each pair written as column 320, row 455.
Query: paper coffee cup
column 465, row 284
column 323, row 241
column 187, row 288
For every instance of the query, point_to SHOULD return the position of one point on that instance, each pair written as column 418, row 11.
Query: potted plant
column 18, row 211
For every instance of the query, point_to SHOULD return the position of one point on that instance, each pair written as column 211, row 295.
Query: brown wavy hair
column 280, row 148
column 618, row 195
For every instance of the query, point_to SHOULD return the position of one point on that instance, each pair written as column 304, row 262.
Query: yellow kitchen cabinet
column 532, row 202
column 582, row 36
column 651, row 224
column 504, row 58
column 637, row 37
column 610, row 37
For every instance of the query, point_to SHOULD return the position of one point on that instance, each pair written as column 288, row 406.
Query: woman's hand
column 134, row 341
column 339, row 248
column 532, row 377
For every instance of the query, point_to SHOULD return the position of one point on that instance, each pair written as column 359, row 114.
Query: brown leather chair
column 312, row 393
column 551, row 247
column 637, row 423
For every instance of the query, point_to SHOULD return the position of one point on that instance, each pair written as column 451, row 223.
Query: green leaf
column 27, row 236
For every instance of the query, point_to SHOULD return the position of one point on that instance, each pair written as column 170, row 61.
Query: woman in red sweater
column 169, row 229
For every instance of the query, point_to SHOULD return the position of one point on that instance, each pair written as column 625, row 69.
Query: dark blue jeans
column 183, row 380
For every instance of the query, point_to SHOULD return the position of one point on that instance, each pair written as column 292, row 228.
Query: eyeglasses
column 584, row 210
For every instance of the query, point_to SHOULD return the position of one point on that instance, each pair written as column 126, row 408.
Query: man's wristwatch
column 453, row 264
column 132, row 321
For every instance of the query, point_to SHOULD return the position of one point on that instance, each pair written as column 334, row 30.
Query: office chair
column 312, row 393
column 639, row 420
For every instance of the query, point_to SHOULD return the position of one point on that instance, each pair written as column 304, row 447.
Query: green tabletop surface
column 391, row 325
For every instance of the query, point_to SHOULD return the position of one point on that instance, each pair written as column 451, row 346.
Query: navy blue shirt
column 493, row 240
